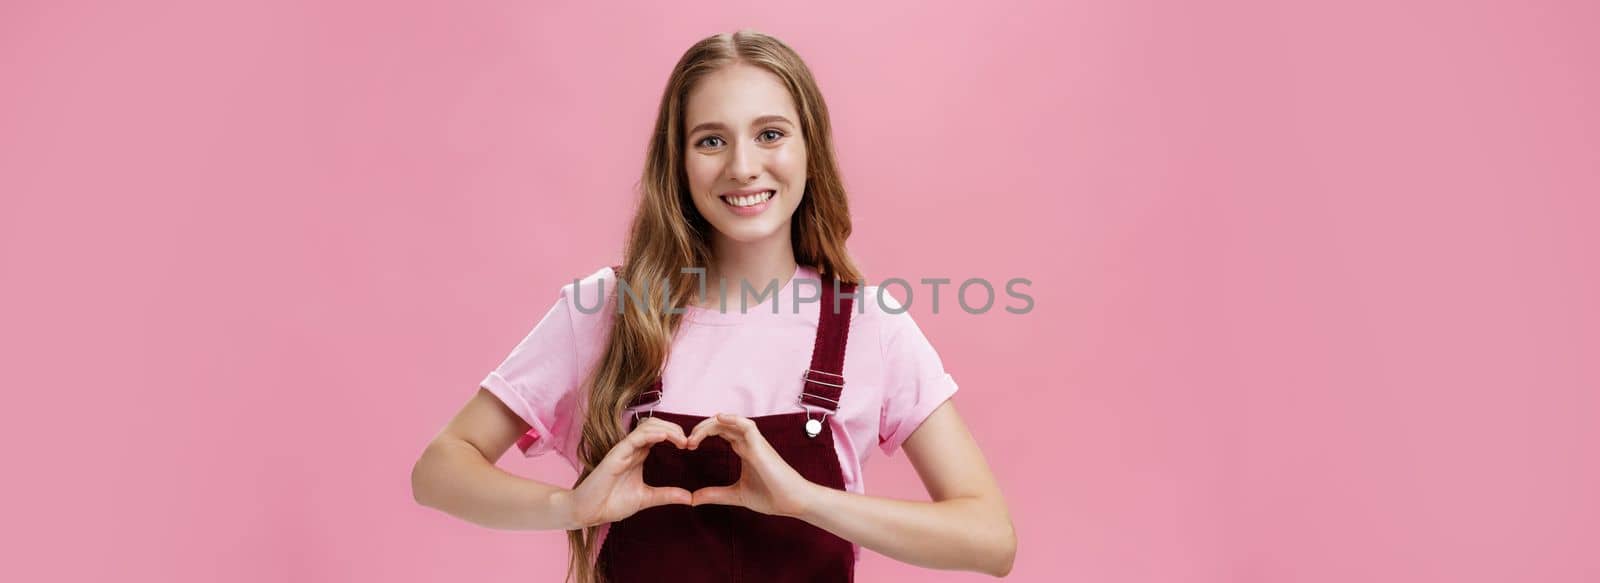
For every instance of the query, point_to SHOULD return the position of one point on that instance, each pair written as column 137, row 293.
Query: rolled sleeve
column 536, row 441
column 538, row 378
column 924, row 402
column 915, row 381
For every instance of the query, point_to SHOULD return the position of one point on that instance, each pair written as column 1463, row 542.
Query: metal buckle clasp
column 814, row 426
column 806, row 377
column 651, row 412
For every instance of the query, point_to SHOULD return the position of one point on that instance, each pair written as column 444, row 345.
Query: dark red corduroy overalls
column 695, row 544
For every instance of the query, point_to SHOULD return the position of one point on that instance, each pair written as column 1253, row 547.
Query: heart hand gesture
column 615, row 489
column 767, row 484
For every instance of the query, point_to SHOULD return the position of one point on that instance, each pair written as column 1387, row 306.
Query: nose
column 743, row 165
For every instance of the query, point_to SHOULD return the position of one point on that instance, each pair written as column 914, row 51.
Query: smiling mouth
column 748, row 200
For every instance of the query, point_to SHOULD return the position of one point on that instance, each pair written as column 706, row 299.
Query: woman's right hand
column 616, row 489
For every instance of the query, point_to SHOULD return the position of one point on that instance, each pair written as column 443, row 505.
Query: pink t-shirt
column 730, row 361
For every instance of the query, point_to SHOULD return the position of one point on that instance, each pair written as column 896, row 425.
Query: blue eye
column 705, row 142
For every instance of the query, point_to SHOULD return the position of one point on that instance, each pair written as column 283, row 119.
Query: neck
column 758, row 262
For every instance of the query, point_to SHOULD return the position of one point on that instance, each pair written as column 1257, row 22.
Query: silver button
column 813, row 427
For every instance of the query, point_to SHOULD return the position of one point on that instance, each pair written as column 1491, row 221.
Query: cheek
column 790, row 162
column 702, row 174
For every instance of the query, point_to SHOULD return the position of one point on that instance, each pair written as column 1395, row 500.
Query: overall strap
column 824, row 381
column 648, row 396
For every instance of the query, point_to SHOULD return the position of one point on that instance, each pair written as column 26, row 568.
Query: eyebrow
column 758, row 121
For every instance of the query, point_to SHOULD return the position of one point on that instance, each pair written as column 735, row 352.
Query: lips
column 748, row 198
column 745, row 191
column 749, row 202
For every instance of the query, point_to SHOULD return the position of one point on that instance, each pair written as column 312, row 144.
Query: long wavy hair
column 669, row 234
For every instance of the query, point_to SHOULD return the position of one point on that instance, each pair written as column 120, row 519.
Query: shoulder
column 588, row 286
column 880, row 305
column 880, row 312
column 588, row 300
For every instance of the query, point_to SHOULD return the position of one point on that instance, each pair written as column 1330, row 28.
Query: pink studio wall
column 1315, row 285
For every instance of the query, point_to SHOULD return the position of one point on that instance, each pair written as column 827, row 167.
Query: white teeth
column 750, row 200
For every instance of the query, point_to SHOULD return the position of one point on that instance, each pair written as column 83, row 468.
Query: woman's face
column 745, row 157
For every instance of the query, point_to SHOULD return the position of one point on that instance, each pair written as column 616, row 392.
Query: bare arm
column 456, row 473
column 965, row 527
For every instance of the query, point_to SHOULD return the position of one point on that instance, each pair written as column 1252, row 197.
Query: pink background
column 1315, row 285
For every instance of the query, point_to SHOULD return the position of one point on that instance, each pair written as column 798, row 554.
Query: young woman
column 739, row 457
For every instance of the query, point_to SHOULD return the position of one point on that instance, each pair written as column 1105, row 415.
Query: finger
column 744, row 424
column 732, row 432
column 736, row 427
column 645, row 435
column 674, row 431
column 726, row 495
column 744, row 435
column 631, row 450
column 702, row 430
column 625, row 453
column 667, row 495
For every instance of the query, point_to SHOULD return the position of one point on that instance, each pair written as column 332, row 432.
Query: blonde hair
column 669, row 234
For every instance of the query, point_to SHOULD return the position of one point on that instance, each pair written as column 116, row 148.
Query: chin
column 749, row 233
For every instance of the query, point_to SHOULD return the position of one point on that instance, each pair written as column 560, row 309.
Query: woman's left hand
column 767, row 484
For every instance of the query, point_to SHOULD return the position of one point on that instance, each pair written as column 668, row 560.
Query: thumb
column 667, row 495
column 727, row 495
